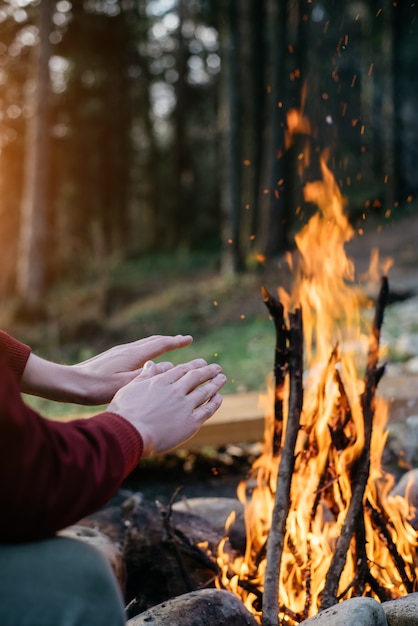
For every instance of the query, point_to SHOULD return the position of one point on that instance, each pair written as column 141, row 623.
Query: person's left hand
column 96, row 380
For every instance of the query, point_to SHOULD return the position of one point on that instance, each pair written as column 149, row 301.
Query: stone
column 403, row 441
column 402, row 611
column 407, row 487
column 205, row 607
column 216, row 511
column 407, row 345
column 353, row 612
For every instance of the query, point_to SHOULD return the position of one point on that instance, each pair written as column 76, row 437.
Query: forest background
column 150, row 175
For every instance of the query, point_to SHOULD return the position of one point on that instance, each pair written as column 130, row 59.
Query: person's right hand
column 168, row 407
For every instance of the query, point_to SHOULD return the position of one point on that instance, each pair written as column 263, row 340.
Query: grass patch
column 48, row 408
column 164, row 294
column 245, row 351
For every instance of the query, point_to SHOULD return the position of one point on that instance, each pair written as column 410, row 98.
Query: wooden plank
column 240, row 419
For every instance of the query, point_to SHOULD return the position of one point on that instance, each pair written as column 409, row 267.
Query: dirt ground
column 397, row 240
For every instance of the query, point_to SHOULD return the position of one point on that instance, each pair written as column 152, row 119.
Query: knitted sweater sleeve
column 51, row 473
column 16, row 353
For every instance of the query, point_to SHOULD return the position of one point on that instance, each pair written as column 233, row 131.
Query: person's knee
column 59, row 582
column 91, row 586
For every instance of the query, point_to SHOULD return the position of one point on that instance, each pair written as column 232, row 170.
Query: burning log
column 361, row 475
column 164, row 551
column 290, row 358
column 281, row 502
column 331, row 526
column 276, row 310
column 381, row 522
column 335, row 494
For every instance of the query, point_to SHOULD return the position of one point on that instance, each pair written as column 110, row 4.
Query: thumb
column 149, row 369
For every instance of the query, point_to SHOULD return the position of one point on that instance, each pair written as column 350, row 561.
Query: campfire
column 321, row 523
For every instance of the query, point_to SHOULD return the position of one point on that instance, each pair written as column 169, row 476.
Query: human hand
column 168, row 407
column 96, row 380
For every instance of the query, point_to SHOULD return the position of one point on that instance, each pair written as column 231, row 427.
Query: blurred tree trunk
column 146, row 225
column 32, row 256
column 231, row 140
column 402, row 18
column 299, row 157
column 182, row 218
column 272, row 223
column 258, row 62
column 384, row 114
column 112, row 180
column 252, row 55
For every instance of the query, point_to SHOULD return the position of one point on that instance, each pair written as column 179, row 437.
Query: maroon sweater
column 52, row 473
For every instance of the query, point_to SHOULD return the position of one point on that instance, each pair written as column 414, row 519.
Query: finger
column 149, row 369
column 179, row 371
column 205, row 392
column 159, row 344
column 152, row 369
column 199, row 376
column 164, row 366
column 204, row 412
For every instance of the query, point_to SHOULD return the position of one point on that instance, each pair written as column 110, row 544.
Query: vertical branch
column 372, row 376
column 282, row 496
column 276, row 311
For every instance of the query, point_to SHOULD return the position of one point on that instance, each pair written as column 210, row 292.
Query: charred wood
column 276, row 311
column 139, row 530
column 381, row 523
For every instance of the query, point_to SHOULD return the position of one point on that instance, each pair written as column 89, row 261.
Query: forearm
column 96, row 380
column 62, row 383
column 52, row 474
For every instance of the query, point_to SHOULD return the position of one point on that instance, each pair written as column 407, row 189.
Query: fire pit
column 321, row 524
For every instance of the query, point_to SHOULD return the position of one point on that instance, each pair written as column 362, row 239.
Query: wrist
column 62, row 383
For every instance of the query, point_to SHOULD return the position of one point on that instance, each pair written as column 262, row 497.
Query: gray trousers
column 57, row 582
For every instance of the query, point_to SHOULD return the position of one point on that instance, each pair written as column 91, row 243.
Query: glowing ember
column 380, row 560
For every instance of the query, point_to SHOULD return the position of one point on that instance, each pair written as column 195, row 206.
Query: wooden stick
column 276, row 311
column 329, row 595
column 364, row 575
column 380, row 521
column 277, row 532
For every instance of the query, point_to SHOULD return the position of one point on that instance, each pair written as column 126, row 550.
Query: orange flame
column 336, row 335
